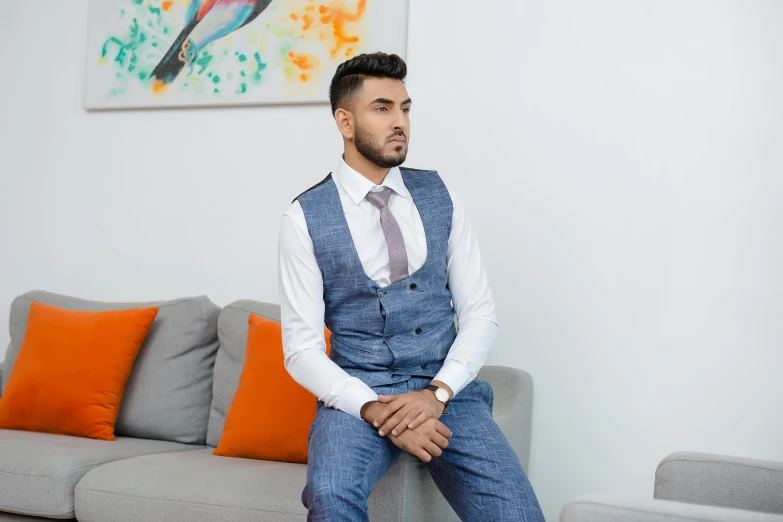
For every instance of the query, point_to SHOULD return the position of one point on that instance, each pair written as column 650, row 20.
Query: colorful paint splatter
column 219, row 47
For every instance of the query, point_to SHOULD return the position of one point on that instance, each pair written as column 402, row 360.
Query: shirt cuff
column 454, row 375
column 350, row 395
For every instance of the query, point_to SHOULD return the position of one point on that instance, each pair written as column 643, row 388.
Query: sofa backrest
column 169, row 391
column 232, row 332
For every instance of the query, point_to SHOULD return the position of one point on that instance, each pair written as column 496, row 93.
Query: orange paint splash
column 303, row 61
column 159, row 87
column 340, row 18
column 303, row 77
column 337, row 22
column 167, row 5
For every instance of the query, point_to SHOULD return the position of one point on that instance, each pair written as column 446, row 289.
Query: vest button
column 413, row 286
column 392, row 369
column 418, row 331
column 424, row 365
column 387, row 337
column 380, row 294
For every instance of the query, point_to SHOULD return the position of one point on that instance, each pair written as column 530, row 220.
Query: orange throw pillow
column 70, row 374
column 270, row 414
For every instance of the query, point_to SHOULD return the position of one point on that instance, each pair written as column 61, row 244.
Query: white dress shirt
column 301, row 288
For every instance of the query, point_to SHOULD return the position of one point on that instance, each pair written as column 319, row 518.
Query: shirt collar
column 357, row 186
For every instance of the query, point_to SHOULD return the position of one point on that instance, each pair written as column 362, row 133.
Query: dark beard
column 364, row 144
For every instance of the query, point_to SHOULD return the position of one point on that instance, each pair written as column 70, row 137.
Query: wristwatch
column 441, row 395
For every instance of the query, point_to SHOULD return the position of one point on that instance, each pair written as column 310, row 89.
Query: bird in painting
column 205, row 22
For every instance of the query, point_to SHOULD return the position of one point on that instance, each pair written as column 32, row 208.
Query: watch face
column 442, row 395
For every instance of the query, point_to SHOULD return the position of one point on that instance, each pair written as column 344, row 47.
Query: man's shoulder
column 425, row 176
column 431, row 178
column 416, row 171
column 322, row 182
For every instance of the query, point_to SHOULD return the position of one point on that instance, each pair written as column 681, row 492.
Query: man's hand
column 425, row 442
column 406, row 411
column 370, row 411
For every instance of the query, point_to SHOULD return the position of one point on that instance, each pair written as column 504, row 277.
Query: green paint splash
column 260, row 66
column 135, row 52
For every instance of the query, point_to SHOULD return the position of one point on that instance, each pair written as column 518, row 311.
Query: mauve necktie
column 398, row 256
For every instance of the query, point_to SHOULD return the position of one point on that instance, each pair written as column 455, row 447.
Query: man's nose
column 400, row 121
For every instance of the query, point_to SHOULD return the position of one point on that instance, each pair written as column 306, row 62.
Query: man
column 386, row 257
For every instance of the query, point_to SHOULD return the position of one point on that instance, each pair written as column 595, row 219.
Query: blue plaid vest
column 384, row 335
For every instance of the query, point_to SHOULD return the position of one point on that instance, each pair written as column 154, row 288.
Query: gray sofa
column 161, row 467
column 694, row 487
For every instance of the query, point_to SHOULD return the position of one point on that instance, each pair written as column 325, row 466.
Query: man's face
column 381, row 121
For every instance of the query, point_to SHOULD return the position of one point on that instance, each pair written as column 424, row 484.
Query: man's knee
column 330, row 496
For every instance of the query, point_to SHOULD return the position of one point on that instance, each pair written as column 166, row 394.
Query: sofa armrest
column 610, row 508
column 406, row 491
column 719, row 480
column 513, row 405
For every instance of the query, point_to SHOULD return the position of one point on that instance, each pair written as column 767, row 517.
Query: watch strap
column 434, row 389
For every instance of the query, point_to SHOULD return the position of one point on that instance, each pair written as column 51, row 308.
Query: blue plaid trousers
column 479, row 473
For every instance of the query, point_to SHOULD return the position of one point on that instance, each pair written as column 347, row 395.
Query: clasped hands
column 411, row 422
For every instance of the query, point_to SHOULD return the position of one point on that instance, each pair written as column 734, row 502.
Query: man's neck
column 365, row 167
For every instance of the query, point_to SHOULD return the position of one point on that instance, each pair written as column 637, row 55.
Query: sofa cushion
column 266, row 392
column 69, row 376
column 13, row 517
column 38, row 471
column 197, row 485
column 192, row 485
column 232, row 332
column 168, row 393
column 602, row 507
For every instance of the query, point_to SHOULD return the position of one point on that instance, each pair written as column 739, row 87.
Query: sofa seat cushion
column 13, row 517
column 38, row 471
column 193, row 485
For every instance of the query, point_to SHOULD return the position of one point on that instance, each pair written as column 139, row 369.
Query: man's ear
column 345, row 123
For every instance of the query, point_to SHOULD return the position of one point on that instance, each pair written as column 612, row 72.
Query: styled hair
column 350, row 75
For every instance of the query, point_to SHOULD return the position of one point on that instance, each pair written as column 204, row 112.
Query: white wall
column 622, row 162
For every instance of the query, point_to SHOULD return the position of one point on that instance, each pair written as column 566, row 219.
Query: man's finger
column 390, row 424
column 440, row 440
column 433, row 449
column 443, row 429
column 384, row 419
column 422, row 454
column 415, row 423
column 390, row 409
column 403, row 425
column 386, row 399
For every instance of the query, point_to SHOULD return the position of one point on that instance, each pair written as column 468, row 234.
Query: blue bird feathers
column 205, row 22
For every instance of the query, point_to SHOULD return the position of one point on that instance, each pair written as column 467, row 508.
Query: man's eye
column 406, row 109
column 381, row 108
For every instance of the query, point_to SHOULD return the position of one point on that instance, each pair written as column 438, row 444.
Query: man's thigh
column 479, row 473
column 346, row 456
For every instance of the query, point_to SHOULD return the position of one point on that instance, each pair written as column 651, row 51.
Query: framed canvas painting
column 177, row 53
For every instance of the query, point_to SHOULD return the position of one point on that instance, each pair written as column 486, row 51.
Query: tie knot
column 381, row 198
